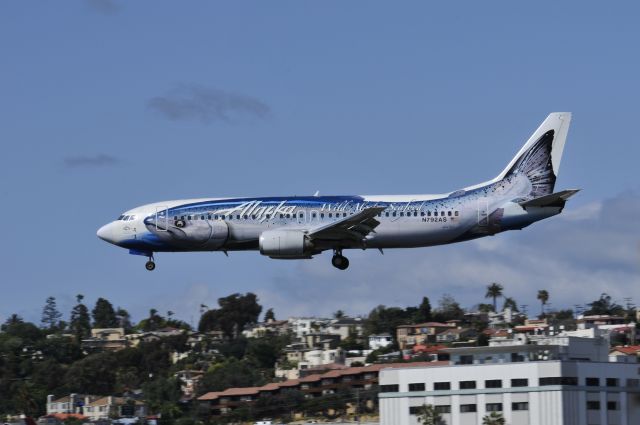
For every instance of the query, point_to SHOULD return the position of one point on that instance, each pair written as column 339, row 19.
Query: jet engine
column 286, row 244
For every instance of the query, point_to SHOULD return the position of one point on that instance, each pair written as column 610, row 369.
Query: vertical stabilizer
column 539, row 159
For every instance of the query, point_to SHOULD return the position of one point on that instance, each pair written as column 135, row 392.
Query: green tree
column 80, row 324
column 50, row 315
column 494, row 418
column 230, row 373
column 494, row 291
column 162, row 395
column 427, row 415
column 448, row 309
column 338, row 314
column 604, row 305
column 543, row 297
column 104, row 315
column 385, row 320
column 510, row 303
column 235, row 312
column 95, row 374
column 269, row 315
column 424, row 311
column 124, row 319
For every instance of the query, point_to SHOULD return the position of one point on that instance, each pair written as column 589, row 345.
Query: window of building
column 493, row 407
column 612, row 382
column 523, row 405
column 557, row 380
column 593, row 405
column 612, row 405
column 467, row 385
column 465, row 359
column 414, row 410
column 468, row 408
column 633, row 383
column 444, row 408
column 441, row 386
column 520, row 382
column 389, row 388
column 493, row 383
column 416, row 387
column 593, row 382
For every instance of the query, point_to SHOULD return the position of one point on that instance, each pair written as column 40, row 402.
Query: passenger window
column 313, row 215
column 209, row 217
column 215, row 217
column 386, row 214
column 253, row 217
column 449, row 213
column 181, row 217
column 268, row 216
column 321, row 215
column 442, row 213
column 230, row 216
column 330, row 215
column 238, row 217
column 281, row 215
column 201, row 217
column 394, row 214
column 401, row 214
column 288, row 215
column 188, row 217
column 422, row 213
column 245, row 217
column 456, row 213
column 344, row 214
column 301, row 215
column 415, row 213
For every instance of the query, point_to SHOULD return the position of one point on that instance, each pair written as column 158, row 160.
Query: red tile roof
column 627, row 349
column 230, row 392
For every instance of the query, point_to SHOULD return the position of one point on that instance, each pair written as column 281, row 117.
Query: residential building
column 72, row 403
column 625, row 350
column 530, row 380
column 301, row 326
column 315, row 385
column 107, row 339
column 270, row 327
column 114, row 407
column 189, row 381
column 380, row 341
column 457, row 334
column 346, row 326
column 422, row 333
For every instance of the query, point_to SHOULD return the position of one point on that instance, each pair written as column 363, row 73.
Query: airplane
column 300, row 227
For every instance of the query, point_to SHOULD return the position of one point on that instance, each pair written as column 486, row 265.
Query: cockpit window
column 126, row 218
column 121, row 217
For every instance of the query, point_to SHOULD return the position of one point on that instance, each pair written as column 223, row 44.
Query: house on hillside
column 114, row 407
column 421, row 333
column 105, row 339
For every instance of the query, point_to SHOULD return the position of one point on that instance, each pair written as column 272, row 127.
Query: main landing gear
column 339, row 261
column 150, row 265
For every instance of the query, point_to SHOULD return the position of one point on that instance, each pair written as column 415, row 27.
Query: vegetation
column 427, row 415
column 494, row 418
column 543, row 297
column 494, row 291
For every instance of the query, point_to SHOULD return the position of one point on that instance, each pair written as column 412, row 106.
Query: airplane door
column 301, row 216
column 162, row 219
column 483, row 212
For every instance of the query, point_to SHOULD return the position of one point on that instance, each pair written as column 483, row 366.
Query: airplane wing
column 354, row 227
column 554, row 199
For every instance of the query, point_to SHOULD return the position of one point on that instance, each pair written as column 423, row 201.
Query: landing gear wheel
column 340, row 262
column 150, row 265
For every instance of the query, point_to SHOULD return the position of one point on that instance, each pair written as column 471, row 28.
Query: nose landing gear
column 339, row 261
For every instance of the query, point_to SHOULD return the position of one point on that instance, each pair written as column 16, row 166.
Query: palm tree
column 543, row 296
column 427, row 415
column 510, row 303
column 494, row 291
column 494, row 418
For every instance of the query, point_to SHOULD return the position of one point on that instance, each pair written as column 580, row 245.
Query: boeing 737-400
column 299, row 227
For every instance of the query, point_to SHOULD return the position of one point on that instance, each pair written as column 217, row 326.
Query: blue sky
column 293, row 97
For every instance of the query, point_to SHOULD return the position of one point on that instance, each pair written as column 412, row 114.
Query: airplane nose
column 106, row 233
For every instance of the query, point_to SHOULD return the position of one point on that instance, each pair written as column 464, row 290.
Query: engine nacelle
column 286, row 244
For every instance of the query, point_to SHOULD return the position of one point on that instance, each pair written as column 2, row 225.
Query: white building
column 532, row 381
column 379, row 341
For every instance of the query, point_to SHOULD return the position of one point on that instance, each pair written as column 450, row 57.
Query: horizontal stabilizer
column 555, row 199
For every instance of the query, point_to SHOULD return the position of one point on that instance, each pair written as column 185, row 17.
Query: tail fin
column 539, row 159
